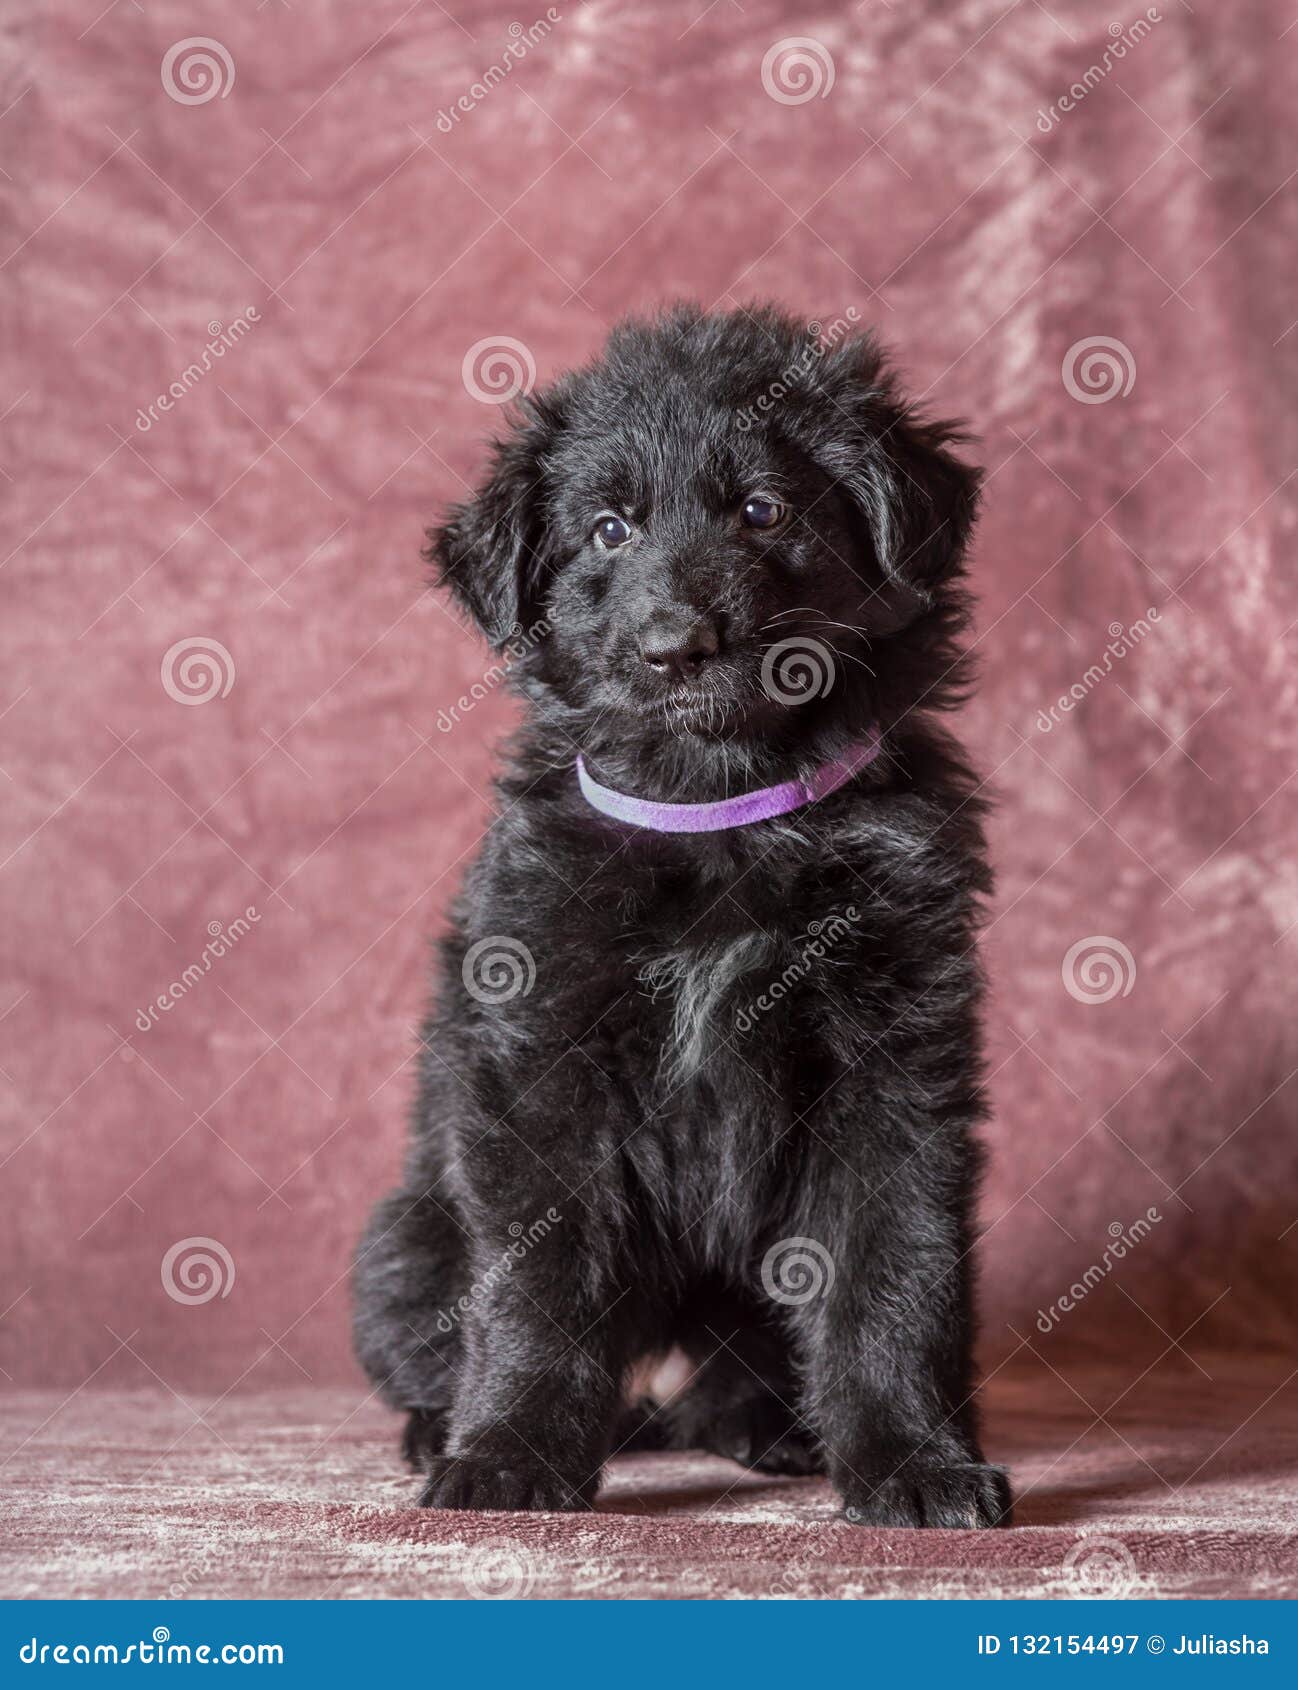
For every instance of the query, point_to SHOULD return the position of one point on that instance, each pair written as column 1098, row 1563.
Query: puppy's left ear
column 491, row 550
column 915, row 499
column 919, row 499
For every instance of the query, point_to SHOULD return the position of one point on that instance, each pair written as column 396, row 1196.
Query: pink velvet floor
column 1179, row 1486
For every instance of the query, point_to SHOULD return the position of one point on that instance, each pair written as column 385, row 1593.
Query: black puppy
column 693, row 1159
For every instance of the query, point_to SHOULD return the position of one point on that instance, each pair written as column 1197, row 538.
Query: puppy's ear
column 915, row 499
column 919, row 500
column 491, row 549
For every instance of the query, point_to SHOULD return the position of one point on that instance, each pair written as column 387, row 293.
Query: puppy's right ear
column 491, row 550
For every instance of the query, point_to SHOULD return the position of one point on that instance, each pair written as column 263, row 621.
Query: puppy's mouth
column 699, row 711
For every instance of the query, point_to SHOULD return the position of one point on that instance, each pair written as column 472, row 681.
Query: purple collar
column 748, row 807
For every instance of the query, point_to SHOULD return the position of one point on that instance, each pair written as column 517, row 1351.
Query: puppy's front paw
column 463, row 1481
column 959, row 1497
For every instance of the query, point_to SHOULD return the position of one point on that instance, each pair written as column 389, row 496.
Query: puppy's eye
column 612, row 532
column 761, row 512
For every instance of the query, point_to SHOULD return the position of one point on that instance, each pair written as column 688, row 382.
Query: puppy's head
column 721, row 526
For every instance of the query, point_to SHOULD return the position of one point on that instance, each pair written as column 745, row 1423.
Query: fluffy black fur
column 733, row 1114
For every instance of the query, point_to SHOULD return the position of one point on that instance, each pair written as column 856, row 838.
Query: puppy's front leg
column 886, row 1352
column 539, row 1392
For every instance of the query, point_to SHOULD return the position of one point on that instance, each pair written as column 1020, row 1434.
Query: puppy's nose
column 680, row 646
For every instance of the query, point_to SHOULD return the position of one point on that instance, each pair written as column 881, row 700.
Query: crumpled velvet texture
column 349, row 252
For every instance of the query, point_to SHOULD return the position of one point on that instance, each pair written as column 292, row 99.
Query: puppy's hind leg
column 409, row 1272
column 729, row 1412
column 742, row 1401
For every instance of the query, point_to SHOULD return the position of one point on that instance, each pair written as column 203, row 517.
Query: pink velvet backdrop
column 352, row 251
